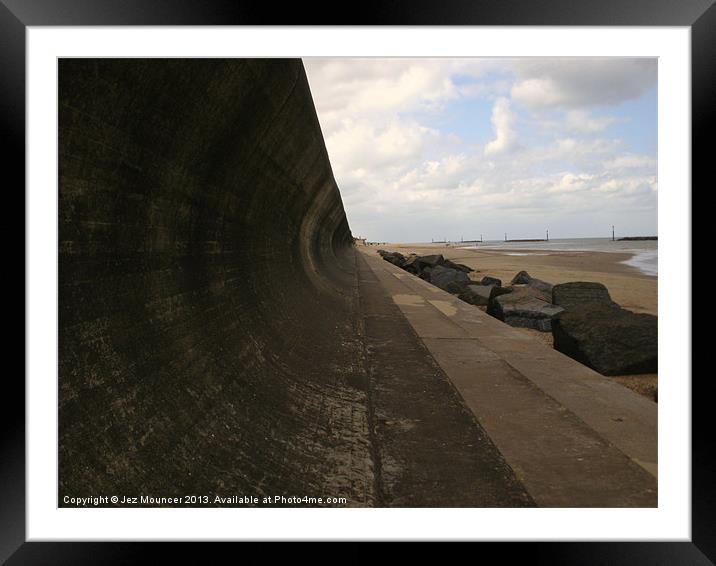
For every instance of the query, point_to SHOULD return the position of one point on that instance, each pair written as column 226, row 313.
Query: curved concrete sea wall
column 218, row 333
column 207, row 287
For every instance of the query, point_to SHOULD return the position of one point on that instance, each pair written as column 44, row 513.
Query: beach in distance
column 629, row 271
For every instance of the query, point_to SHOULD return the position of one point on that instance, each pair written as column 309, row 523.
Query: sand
column 627, row 285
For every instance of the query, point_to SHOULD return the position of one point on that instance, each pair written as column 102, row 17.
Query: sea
column 644, row 253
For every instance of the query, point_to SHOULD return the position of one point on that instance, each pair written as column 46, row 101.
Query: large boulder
column 412, row 264
column 442, row 277
column 497, row 291
column 608, row 339
column 416, row 263
column 576, row 293
column 458, row 266
column 425, row 273
column 395, row 258
column 522, row 278
column 478, row 295
column 533, row 291
column 456, row 287
column 521, row 308
column 431, row 260
column 487, row 280
column 542, row 289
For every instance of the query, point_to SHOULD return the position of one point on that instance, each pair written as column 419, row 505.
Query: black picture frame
column 17, row 15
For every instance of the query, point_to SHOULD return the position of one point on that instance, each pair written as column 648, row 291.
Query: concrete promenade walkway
column 572, row 437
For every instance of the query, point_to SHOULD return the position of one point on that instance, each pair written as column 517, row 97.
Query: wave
column 646, row 261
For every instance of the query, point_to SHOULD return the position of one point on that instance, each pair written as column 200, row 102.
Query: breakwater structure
column 527, row 240
column 220, row 332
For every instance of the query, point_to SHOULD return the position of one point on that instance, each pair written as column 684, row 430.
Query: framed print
column 392, row 279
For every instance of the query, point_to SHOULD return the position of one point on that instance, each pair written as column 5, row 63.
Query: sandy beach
column 628, row 286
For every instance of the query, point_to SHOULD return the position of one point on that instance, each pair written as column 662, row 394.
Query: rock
column 431, row 260
column 544, row 289
column 412, row 264
column 458, row 266
column 456, row 287
column 522, row 278
column 521, row 308
column 533, row 291
column 425, row 273
column 497, row 291
column 394, row 257
column 442, row 276
column 416, row 263
column 478, row 295
column 576, row 293
column 491, row 281
column 608, row 338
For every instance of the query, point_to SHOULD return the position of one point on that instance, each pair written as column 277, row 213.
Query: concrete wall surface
column 206, row 286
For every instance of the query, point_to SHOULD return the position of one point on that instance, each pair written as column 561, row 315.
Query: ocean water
column 644, row 254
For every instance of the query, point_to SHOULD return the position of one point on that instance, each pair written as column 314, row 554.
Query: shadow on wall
column 206, row 285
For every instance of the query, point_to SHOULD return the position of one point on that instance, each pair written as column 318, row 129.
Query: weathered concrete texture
column 432, row 451
column 207, row 329
column 215, row 335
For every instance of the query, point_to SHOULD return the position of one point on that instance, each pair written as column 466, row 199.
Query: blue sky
column 434, row 148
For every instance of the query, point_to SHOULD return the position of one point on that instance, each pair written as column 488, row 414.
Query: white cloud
column 580, row 121
column 581, row 82
column 573, row 149
column 503, row 120
column 630, row 161
column 571, row 183
column 404, row 176
column 376, row 88
column 363, row 144
column 537, row 92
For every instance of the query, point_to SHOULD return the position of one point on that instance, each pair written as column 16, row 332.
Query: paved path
column 427, row 447
column 572, row 437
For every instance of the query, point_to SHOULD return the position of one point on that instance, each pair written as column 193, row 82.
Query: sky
column 427, row 149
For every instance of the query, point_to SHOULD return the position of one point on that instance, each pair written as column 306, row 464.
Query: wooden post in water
column 612, row 232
